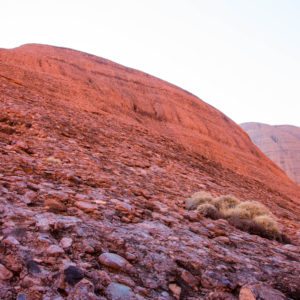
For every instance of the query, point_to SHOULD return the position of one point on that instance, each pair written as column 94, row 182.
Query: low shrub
column 249, row 226
column 223, row 203
column 268, row 223
column 254, row 208
column 237, row 212
column 250, row 216
column 259, row 229
column 198, row 199
column 208, row 210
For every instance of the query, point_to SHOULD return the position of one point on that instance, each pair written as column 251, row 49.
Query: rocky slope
column 280, row 143
column 95, row 163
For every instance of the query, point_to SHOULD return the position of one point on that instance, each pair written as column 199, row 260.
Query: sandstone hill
column 96, row 161
column 281, row 143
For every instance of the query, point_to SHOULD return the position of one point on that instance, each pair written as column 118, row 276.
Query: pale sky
column 241, row 56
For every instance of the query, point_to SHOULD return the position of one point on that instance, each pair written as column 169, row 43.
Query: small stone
column 53, row 160
column 130, row 256
column 66, row 243
column 55, row 250
column 261, row 292
column 55, row 205
column 13, row 262
column 73, row 275
column 220, row 296
column 33, row 267
column 189, row 279
column 31, row 281
column 86, row 206
column 124, row 207
column 21, row 297
column 83, row 290
column 10, row 240
column 124, row 280
column 114, row 261
column 5, row 274
column 88, row 249
column 175, row 289
column 116, row 291
column 223, row 240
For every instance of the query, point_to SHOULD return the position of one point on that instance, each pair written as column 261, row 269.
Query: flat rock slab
column 86, row 206
column 116, row 291
column 260, row 292
column 114, row 261
column 5, row 274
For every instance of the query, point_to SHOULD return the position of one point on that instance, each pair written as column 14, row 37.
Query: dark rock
column 33, row 267
column 73, row 275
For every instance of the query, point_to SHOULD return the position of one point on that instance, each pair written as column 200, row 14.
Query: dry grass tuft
column 237, row 212
column 250, row 216
column 254, row 208
column 268, row 223
column 198, row 199
column 226, row 202
column 208, row 210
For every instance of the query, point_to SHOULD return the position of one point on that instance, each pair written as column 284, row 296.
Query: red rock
column 176, row 290
column 121, row 134
column 83, row 290
column 55, row 205
column 5, row 274
column 85, row 206
column 54, row 250
column 66, row 242
column 220, row 296
column 114, row 261
column 260, row 292
column 189, row 279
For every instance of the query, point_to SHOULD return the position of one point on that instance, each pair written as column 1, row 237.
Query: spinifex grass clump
column 226, row 202
column 209, row 211
column 250, row 216
column 254, row 208
column 197, row 199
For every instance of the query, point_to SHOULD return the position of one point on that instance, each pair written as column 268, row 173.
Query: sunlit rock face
column 96, row 160
column 280, row 143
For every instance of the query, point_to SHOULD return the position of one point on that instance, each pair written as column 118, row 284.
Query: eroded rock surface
column 79, row 181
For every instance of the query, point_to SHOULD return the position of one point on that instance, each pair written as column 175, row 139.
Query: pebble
column 83, row 290
column 114, row 261
column 73, row 275
column 176, row 290
column 55, row 250
column 66, row 243
column 117, row 291
column 21, row 297
column 10, row 240
column 5, row 274
column 85, row 206
column 55, row 205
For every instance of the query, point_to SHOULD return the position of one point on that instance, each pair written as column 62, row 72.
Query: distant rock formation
column 281, row 143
